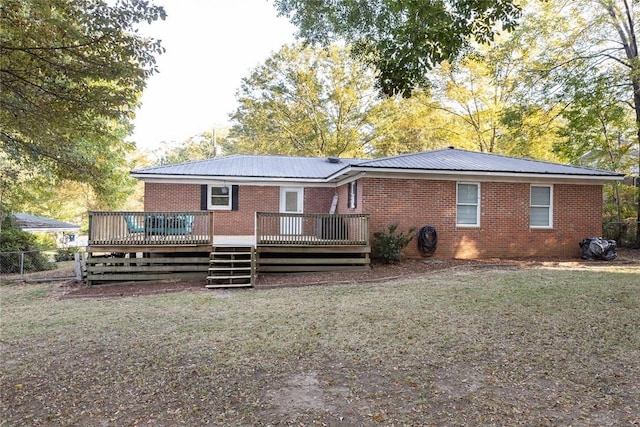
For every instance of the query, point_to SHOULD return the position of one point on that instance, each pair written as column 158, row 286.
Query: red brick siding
column 251, row 199
column 318, row 199
column 504, row 220
column 171, row 197
column 343, row 200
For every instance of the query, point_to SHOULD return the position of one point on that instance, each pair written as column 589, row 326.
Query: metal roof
column 252, row 166
column 448, row 160
column 29, row 222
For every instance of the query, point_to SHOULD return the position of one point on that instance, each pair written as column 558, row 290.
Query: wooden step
column 231, row 266
column 228, row 285
column 228, row 277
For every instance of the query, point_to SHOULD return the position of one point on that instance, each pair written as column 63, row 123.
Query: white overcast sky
column 210, row 46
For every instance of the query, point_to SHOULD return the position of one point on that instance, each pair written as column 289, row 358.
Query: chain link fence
column 39, row 265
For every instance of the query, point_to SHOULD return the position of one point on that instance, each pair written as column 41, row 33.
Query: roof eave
column 385, row 172
column 202, row 179
column 49, row 229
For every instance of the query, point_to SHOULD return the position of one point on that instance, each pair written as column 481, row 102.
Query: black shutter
column 234, row 197
column 204, row 196
column 355, row 194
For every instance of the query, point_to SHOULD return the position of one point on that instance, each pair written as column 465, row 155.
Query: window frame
column 226, row 207
column 352, row 195
column 476, row 204
column 549, row 206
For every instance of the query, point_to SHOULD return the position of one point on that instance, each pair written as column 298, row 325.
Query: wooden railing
column 311, row 229
column 150, row 228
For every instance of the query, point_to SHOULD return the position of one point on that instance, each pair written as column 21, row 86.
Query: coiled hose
column 427, row 240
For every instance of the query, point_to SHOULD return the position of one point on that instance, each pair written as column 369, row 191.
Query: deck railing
column 311, row 229
column 150, row 228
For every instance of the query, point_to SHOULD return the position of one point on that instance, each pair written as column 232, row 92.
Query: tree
column 599, row 132
column 624, row 20
column 306, row 101
column 71, row 74
column 203, row 146
column 409, row 125
column 402, row 39
column 594, row 42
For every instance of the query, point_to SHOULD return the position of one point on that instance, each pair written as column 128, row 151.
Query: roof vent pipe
column 451, row 147
column 333, row 160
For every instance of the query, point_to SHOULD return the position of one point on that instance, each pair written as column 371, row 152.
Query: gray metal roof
column 29, row 222
column 252, row 166
column 449, row 159
column 317, row 168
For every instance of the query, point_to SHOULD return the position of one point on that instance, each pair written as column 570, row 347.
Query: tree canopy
column 305, row 101
column 403, row 39
column 71, row 75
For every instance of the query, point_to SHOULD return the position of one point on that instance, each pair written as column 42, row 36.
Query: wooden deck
column 311, row 229
column 150, row 228
column 152, row 246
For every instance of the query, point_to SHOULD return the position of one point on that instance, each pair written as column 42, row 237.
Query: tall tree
column 403, row 39
column 594, row 42
column 306, row 101
column 624, row 19
column 483, row 96
column 599, row 132
column 71, row 74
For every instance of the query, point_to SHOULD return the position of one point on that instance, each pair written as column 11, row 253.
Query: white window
column 220, row 197
column 541, row 209
column 353, row 195
column 468, row 205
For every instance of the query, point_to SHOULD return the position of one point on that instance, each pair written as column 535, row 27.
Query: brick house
column 481, row 205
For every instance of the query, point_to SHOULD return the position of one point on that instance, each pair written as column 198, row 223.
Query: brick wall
column 504, row 220
column 343, row 200
column 251, row 199
column 318, row 199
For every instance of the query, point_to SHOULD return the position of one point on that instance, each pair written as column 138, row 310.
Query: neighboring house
column 481, row 205
column 64, row 232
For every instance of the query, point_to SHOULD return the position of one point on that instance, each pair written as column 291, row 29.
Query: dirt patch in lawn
column 377, row 273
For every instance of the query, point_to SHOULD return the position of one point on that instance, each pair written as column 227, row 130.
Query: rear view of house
column 481, row 205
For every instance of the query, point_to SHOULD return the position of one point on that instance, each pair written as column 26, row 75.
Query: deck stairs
column 232, row 267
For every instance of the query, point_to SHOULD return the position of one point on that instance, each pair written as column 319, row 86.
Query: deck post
column 90, row 234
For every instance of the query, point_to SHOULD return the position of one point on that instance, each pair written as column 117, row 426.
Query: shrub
column 66, row 254
column 388, row 245
column 13, row 239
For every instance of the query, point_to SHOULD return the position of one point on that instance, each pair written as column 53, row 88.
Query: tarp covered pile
column 598, row 248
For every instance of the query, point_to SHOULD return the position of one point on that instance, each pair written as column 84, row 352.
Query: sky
column 210, row 46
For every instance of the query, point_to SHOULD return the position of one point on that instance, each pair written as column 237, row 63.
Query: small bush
column 66, row 254
column 388, row 245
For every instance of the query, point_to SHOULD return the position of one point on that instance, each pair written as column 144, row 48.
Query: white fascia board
column 486, row 176
column 205, row 179
column 342, row 176
column 350, row 178
column 352, row 173
column 50, row 229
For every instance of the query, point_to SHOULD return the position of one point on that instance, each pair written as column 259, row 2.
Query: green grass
column 529, row 347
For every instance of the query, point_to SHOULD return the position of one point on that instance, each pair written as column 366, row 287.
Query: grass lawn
column 534, row 347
